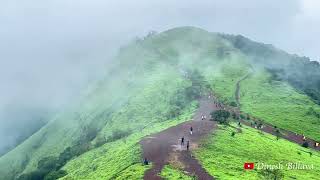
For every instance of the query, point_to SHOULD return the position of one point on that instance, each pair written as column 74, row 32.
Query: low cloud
column 50, row 50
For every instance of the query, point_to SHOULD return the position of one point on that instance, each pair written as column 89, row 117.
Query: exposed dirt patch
column 165, row 147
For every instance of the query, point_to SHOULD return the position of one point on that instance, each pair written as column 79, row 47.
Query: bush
column 198, row 86
column 234, row 104
column 101, row 140
column 234, row 115
column 118, row 134
column 272, row 174
column 221, row 116
column 55, row 175
column 48, row 163
column 34, row 175
column 305, row 144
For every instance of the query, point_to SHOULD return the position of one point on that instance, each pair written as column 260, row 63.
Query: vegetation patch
column 223, row 155
column 280, row 104
column 171, row 173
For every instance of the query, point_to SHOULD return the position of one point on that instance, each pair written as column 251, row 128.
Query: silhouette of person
column 145, row 162
column 182, row 141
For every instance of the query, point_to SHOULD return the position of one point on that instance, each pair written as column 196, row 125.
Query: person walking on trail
column 182, row 141
column 188, row 145
column 191, row 130
column 202, row 117
column 145, row 162
column 303, row 137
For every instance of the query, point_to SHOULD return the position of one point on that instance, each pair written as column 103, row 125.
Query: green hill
column 224, row 155
column 148, row 88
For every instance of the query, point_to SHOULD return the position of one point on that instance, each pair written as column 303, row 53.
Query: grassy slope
column 113, row 159
column 67, row 127
column 144, row 114
column 223, row 77
column 279, row 104
column 170, row 173
column 140, row 67
column 223, row 155
column 275, row 102
column 122, row 100
column 138, row 114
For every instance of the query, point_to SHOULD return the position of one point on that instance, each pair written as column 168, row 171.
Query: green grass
column 136, row 96
column 223, row 155
column 224, row 76
column 111, row 159
column 171, row 173
column 144, row 114
column 133, row 172
column 279, row 104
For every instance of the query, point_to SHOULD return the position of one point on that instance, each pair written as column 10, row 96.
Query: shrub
column 118, row 134
column 199, row 85
column 234, row 115
column 305, row 144
column 55, row 175
column 234, row 104
column 221, row 116
column 101, row 140
column 274, row 174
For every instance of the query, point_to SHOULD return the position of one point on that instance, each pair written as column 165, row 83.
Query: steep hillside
column 223, row 156
column 153, row 84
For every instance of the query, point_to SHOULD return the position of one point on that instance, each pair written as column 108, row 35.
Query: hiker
column 182, row 141
column 303, row 138
column 191, row 130
column 187, row 145
column 145, row 162
column 202, row 117
column 316, row 144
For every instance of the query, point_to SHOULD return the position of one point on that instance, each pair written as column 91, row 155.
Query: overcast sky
column 51, row 48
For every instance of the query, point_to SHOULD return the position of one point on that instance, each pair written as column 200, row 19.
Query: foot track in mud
column 164, row 148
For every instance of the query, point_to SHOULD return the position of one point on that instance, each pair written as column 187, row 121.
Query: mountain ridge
column 144, row 69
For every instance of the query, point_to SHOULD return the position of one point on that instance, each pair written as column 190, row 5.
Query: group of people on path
column 146, row 162
column 188, row 142
column 182, row 143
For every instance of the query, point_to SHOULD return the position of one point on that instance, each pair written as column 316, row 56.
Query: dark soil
column 165, row 147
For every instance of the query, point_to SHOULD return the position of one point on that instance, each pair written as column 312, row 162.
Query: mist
column 51, row 50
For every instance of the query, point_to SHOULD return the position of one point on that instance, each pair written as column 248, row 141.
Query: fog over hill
column 51, row 50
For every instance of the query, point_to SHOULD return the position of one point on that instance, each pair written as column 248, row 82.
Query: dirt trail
column 268, row 128
column 164, row 147
column 237, row 93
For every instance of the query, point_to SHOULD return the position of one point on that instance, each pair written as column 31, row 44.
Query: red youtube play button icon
column 248, row 166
